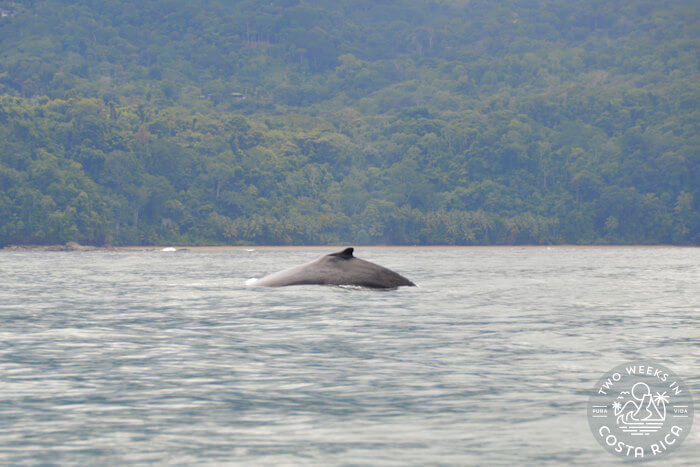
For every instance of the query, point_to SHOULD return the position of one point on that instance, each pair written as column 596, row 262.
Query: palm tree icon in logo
column 643, row 413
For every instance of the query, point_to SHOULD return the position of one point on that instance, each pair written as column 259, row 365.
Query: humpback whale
column 340, row 268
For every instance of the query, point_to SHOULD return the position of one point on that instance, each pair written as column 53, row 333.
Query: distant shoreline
column 71, row 246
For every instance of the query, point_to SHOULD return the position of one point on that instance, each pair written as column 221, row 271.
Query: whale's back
column 337, row 269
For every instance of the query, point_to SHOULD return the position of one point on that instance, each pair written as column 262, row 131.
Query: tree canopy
column 349, row 121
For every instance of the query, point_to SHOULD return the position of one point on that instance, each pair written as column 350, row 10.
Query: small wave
column 169, row 248
column 251, row 281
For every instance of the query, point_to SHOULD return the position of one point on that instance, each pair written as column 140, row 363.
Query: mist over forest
column 358, row 122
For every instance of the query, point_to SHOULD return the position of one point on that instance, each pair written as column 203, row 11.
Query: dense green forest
column 339, row 121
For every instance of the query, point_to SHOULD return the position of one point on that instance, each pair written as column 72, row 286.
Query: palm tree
column 661, row 399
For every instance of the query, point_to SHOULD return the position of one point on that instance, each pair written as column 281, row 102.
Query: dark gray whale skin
column 336, row 269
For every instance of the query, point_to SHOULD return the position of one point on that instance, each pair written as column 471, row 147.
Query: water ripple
column 149, row 357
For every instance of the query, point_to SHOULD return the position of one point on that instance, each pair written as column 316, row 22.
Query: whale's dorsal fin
column 345, row 254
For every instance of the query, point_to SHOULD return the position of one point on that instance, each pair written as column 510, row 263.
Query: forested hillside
column 339, row 121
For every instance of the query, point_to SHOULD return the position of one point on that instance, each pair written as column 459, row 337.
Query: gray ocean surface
column 151, row 357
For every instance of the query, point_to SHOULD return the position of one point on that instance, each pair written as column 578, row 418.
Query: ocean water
column 152, row 357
